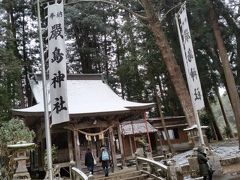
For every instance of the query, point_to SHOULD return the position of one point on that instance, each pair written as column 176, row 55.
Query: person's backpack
column 105, row 155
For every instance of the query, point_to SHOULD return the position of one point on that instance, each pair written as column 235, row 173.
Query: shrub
column 12, row 132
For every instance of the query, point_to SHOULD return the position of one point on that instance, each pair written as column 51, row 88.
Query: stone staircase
column 125, row 174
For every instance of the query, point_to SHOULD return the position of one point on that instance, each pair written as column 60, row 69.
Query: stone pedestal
column 214, row 162
column 174, row 171
column 21, row 171
column 139, row 152
column 149, row 155
column 193, row 166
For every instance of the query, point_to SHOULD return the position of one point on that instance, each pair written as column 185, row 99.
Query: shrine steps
column 129, row 174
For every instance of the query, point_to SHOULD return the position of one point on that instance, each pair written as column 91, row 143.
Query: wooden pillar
column 135, row 143
column 70, row 146
column 159, row 134
column 114, row 159
column 121, row 145
column 103, row 139
column 77, row 148
column 149, row 140
column 130, row 142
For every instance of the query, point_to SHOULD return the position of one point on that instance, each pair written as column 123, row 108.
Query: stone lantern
column 21, row 157
column 194, row 135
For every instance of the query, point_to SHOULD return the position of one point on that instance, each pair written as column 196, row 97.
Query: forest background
column 116, row 40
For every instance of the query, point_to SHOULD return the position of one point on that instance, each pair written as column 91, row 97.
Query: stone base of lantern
column 23, row 175
column 20, row 148
column 197, row 142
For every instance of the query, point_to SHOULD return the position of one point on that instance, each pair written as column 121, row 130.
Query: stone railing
column 77, row 174
column 158, row 170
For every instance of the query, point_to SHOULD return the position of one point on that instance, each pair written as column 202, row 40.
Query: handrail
column 157, row 170
column 162, row 166
column 77, row 174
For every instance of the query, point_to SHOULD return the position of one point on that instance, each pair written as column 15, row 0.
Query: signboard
column 57, row 64
column 189, row 59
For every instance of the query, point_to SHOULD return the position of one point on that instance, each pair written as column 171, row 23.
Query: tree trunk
column 213, row 120
column 238, row 58
column 118, row 55
column 163, row 122
column 233, row 94
column 170, row 62
column 224, row 114
column 229, row 17
column 26, row 66
column 106, row 56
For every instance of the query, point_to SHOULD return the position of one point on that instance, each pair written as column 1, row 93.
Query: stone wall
column 230, row 161
column 223, row 162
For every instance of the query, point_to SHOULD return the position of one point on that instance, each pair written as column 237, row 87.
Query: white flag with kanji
column 189, row 59
column 57, row 64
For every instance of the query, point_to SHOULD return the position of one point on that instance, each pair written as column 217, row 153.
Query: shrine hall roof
column 88, row 95
column 137, row 127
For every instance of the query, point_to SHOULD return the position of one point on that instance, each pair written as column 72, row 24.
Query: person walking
column 203, row 164
column 89, row 161
column 104, row 158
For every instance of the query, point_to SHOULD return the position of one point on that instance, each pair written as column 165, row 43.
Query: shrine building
column 95, row 112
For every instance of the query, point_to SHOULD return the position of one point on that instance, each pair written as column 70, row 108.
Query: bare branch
column 139, row 1
column 165, row 15
column 112, row 3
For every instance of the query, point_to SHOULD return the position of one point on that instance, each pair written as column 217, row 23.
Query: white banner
column 189, row 59
column 57, row 64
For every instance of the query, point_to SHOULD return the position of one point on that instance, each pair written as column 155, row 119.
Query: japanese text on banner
column 189, row 60
column 57, row 64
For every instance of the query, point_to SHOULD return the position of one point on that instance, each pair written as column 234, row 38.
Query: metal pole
column 45, row 99
column 195, row 111
column 199, row 127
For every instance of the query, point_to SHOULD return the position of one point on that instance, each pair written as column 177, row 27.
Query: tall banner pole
column 199, row 126
column 45, row 99
column 190, row 65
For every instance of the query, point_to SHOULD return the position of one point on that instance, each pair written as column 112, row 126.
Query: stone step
column 118, row 175
column 139, row 177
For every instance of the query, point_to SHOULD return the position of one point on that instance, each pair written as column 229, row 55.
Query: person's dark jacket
column 203, row 165
column 89, row 159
